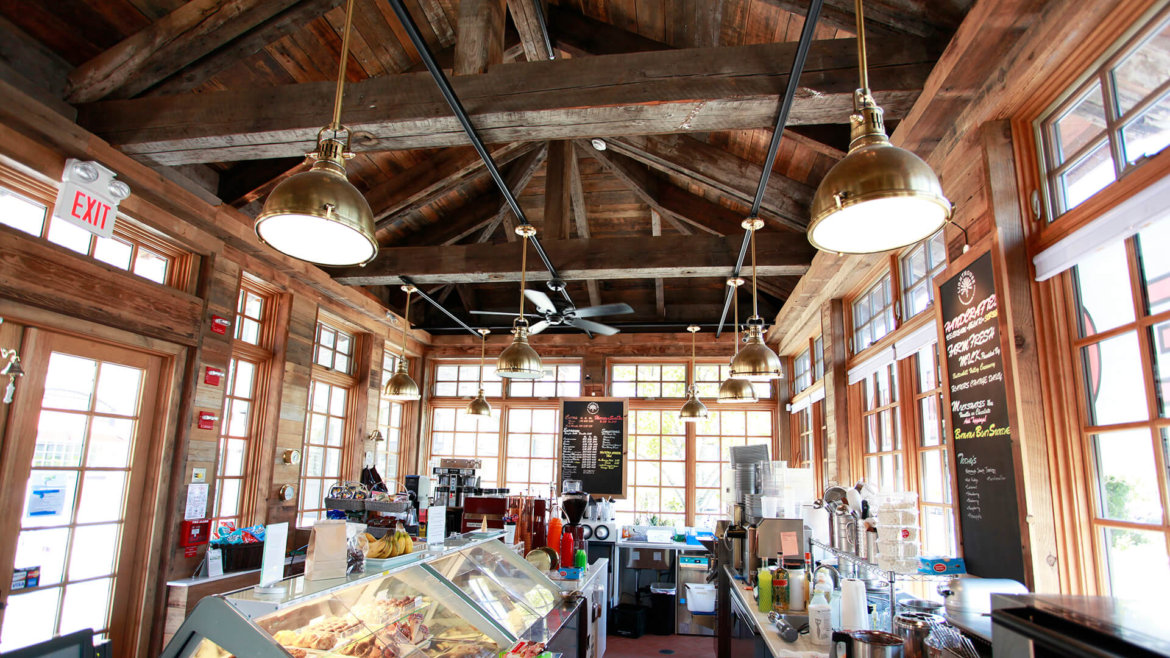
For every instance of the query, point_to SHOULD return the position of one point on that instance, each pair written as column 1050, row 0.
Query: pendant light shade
column 318, row 215
column 756, row 362
column 734, row 390
column 878, row 197
column 693, row 409
column 402, row 386
column 519, row 360
column 479, row 406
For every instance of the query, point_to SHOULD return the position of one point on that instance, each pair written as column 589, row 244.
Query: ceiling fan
column 553, row 314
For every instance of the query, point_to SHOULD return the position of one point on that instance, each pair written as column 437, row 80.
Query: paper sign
column 436, row 524
column 272, row 563
column 196, row 501
column 214, row 562
column 788, row 543
column 46, row 501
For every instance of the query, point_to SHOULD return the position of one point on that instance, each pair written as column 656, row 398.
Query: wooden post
column 480, row 43
column 836, row 391
column 556, row 191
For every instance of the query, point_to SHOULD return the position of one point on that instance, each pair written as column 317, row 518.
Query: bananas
column 392, row 544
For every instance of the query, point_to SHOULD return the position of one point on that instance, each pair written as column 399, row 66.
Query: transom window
column 801, row 372
column 648, row 380
column 462, row 380
column 873, row 314
column 334, row 348
column 561, row 380
column 919, row 266
column 1111, row 123
column 818, row 359
column 249, row 316
column 709, row 376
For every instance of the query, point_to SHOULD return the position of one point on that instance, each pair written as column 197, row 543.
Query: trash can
column 662, row 608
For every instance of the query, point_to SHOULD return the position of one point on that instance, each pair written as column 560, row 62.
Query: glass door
column 79, row 451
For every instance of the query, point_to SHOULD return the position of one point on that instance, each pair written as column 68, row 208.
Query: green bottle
column 580, row 560
column 764, row 580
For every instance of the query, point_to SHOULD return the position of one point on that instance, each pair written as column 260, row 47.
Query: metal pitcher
column 866, row 644
column 913, row 628
column 845, row 531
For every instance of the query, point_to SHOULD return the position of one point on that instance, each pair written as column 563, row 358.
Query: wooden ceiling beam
column 516, row 178
column 712, row 167
column 556, row 190
column 580, row 35
column 659, row 289
column 481, row 36
column 924, row 19
column 695, row 90
column 580, row 216
column 527, row 23
column 581, row 260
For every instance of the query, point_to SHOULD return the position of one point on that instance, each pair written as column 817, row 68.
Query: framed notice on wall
column 981, row 428
column 593, row 444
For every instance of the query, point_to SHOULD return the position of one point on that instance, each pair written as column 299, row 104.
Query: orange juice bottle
column 554, row 533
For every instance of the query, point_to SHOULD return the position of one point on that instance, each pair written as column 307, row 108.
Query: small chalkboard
column 593, row 445
column 981, row 426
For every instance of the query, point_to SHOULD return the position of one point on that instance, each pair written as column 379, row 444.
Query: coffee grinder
column 574, row 502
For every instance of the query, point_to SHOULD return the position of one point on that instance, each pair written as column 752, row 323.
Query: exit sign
column 89, row 196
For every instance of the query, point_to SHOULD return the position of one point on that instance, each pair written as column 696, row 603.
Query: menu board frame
column 625, row 449
column 993, row 538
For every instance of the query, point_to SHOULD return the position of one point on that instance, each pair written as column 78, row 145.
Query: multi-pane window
column 387, row 451
column 324, row 438
column 881, row 429
column 802, row 456
column 462, row 380
column 818, row 358
column 709, row 376
column 801, row 372
column 1108, row 125
column 249, row 316
column 919, row 266
column 128, row 249
column 1122, row 312
column 456, row 434
column 873, row 314
column 656, row 469
column 934, row 474
column 715, row 435
column 531, row 463
column 561, row 380
column 334, row 348
column 648, row 380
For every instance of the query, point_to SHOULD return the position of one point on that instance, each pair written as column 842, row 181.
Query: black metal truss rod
column 806, row 39
column 552, row 54
column 419, row 291
column 448, row 92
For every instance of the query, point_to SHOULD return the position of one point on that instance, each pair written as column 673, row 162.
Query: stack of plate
column 753, row 509
column 748, row 454
column 745, row 481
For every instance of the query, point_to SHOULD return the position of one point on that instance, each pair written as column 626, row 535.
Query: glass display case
column 471, row 598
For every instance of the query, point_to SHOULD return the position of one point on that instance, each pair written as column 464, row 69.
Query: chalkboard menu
column 593, row 444
column 980, row 423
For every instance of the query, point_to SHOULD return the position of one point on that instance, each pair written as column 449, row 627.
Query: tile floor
column 659, row 646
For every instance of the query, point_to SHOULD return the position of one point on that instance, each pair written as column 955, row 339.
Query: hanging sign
column 593, row 445
column 89, row 196
column 980, row 424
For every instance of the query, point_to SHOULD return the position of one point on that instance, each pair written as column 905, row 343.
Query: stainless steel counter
column 741, row 597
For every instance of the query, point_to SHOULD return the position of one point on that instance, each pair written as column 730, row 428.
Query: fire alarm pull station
column 212, row 376
column 195, row 532
column 207, row 420
column 219, row 325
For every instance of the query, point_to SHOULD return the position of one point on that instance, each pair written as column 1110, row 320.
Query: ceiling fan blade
column 595, row 327
column 510, row 315
column 604, row 309
column 539, row 327
column 540, row 301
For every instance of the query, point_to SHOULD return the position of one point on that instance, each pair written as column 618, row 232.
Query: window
column 818, row 359
column 801, row 372
column 802, row 456
column 1122, row 312
column 560, row 381
column 129, row 248
column 656, row 469
column 334, row 349
column 531, row 463
column 709, row 376
column 881, row 429
column 1109, row 124
column 390, row 423
column 715, row 435
column 324, row 438
column 919, row 266
column 934, row 474
column 462, row 380
column 648, row 380
column 873, row 314
column 455, row 434
column 239, row 427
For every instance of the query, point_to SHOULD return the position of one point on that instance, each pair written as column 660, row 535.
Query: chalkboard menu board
column 593, row 444
column 980, row 423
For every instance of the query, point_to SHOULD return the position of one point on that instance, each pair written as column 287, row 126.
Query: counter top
column 803, row 645
column 666, row 545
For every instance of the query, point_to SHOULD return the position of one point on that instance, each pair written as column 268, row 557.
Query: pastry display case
column 471, row 598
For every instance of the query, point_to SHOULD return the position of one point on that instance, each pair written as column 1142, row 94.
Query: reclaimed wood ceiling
column 230, row 92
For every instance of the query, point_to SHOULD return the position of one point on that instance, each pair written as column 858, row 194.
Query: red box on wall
column 207, row 420
column 195, row 532
column 220, row 324
column 212, row 376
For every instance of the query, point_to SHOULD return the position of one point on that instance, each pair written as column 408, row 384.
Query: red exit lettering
column 90, row 210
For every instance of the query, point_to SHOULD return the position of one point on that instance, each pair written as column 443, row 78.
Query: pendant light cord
column 755, row 304
column 862, row 64
column 482, row 356
column 735, row 304
column 523, row 275
column 405, row 322
column 336, row 125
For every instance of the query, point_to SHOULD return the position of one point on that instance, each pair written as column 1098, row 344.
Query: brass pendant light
column 519, row 360
column 479, row 406
column 401, row 386
column 756, row 362
column 318, row 215
column 693, row 409
column 878, row 197
column 734, row 390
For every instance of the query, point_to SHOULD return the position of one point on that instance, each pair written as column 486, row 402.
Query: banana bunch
column 392, row 544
